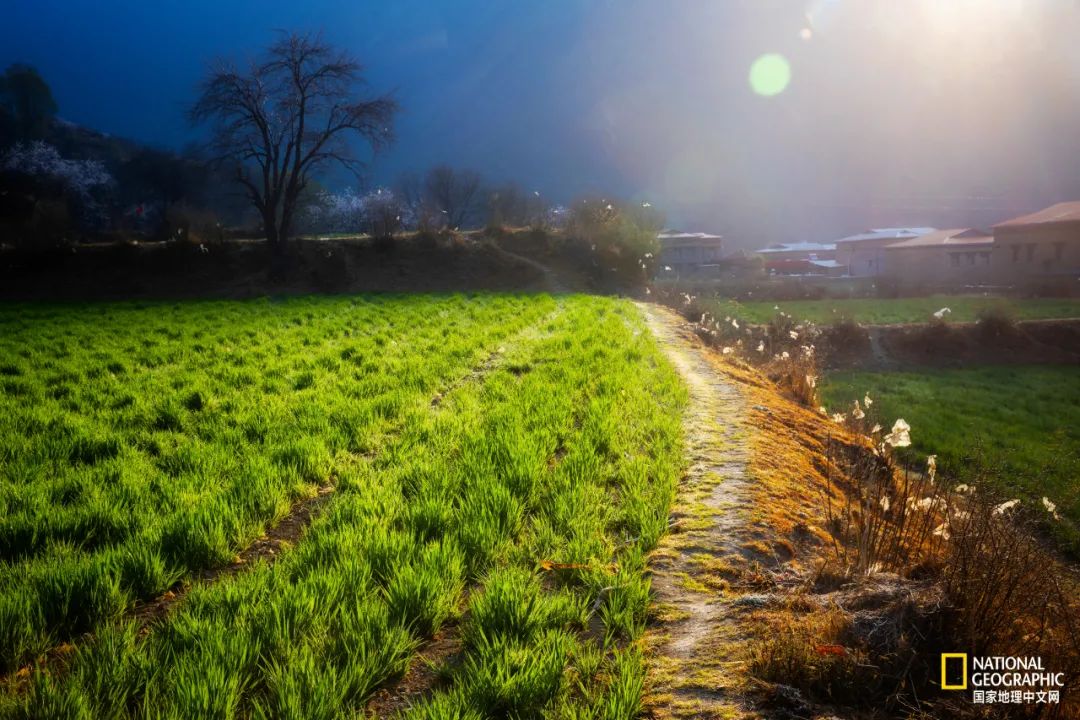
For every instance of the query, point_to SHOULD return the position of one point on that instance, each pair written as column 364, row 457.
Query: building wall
column 774, row 255
column 940, row 265
column 1023, row 254
column 687, row 258
column 863, row 259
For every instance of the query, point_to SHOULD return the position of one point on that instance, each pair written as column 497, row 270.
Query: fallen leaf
column 837, row 650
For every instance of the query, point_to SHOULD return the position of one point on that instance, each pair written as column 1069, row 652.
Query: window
column 1015, row 253
column 954, row 259
column 970, row 258
column 984, row 258
column 1059, row 250
column 1030, row 254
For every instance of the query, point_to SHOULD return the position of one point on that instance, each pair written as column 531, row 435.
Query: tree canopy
column 287, row 117
column 26, row 104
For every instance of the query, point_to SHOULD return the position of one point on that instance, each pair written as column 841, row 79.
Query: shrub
column 621, row 237
column 969, row 565
column 997, row 325
column 844, row 338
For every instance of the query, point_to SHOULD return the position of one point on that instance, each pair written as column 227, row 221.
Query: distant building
column 941, row 258
column 689, row 253
column 801, row 259
column 1042, row 246
column 863, row 255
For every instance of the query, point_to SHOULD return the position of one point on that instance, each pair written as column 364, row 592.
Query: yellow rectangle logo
column 963, row 658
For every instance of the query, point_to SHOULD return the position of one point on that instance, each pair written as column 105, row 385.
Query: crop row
column 519, row 509
column 143, row 443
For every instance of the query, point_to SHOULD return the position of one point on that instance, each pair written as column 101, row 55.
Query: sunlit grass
column 566, row 448
column 144, row 442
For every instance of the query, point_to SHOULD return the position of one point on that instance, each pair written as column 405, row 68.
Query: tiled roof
column 888, row 233
column 671, row 235
column 1060, row 213
column 798, row 247
column 961, row 236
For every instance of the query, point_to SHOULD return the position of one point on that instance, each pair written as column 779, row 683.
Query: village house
column 863, row 255
column 1043, row 247
column 689, row 253
column 803, row 258
column 943, row 258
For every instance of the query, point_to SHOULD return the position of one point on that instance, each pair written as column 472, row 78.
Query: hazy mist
column 919, row 112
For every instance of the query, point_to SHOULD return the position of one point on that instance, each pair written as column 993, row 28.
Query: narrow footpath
column 700, row 570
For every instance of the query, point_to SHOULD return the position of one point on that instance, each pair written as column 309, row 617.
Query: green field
column 471, row 440
column 873, row 311
column 1016, row 428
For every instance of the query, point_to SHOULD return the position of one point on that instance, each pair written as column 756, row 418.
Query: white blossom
column 857, row 412
column 900, row 435
column 40, row 159
column 1006, row 507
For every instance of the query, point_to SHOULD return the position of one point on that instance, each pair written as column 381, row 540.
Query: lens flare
column 770, row 75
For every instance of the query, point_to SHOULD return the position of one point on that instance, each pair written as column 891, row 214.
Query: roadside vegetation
column 1016, row 426
column 500, row 464
column 898, row 554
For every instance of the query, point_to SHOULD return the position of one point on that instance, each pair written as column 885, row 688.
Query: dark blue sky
column 921, row 112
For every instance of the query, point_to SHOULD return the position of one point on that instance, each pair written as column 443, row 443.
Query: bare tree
column 455, row 194
column 286, row 117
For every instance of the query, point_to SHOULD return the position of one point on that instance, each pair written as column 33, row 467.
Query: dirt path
column 701, row 569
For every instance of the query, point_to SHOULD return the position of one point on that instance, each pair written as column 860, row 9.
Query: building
column 689, row 253
column 1040, row 247
column 863, row 255
column 803, row 258
column 941, row 258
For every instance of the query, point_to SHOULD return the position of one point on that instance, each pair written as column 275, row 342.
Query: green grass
column 556, row 437
column 873, row 311
column 1016, row 428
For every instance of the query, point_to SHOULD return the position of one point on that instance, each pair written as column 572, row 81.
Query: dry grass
column 890, row 568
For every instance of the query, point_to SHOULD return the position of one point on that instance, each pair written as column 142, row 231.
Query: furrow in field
column 446, row 650
column 467, row 495
column 294, row 523
column 569, row 603
column 292, row 526
column 366, row 467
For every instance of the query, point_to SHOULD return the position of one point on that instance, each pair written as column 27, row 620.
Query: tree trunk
column 278, row 265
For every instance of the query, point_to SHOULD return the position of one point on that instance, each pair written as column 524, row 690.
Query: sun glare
column 770, row 74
